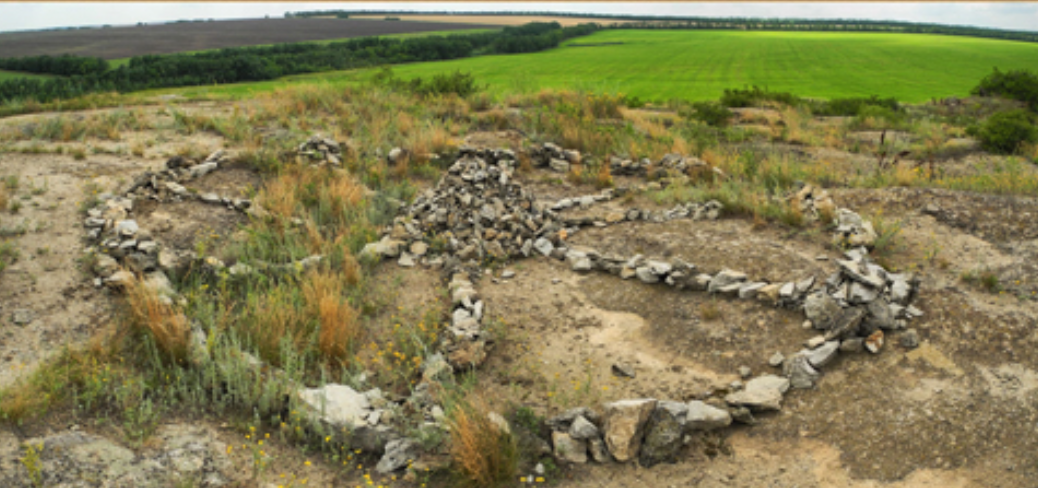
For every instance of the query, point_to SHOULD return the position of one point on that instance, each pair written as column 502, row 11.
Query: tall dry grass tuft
column 4, row 200
column 483, row 454
column 604, row 178
column 339, row 325
column 167, row 326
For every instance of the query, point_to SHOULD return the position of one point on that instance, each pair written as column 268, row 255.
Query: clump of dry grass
column 604, row 178
column 710, row 311
column 148, row 313
column 339, row 325
column 483, row 454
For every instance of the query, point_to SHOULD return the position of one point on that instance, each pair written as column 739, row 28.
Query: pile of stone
column 167, row 185
column 123, row 250
column 853, row 231
column 855, row 309
column 551, row 156
column 466, row 343
column 361, row 420
column 815, row 202
column 475, row 212
column 320, row 151
column 647, row 430
column 668, row 164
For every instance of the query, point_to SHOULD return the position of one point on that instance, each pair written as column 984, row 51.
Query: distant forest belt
column 125, row 42
column 593, row 44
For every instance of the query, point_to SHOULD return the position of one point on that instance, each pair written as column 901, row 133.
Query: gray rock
column 910, row 339
column 578, row 261
column 399, row 453
column 860, row 274
column 814, row 341
column 724, row 279
column 745, row 372
column 646, row 275
column 337, row 405
column 768, row 382
column 623, row 370
column 581, row 428
column 862, row 294
column 822, row 310
column 701, row 416
column 105, row 265
column 759, row 399
column 564, row 421
column 569, row 449
column 659, row 268
column 878, row 316
column 126, row 228
column 853, row 345
column 663, row 435
column 743, row 415
column 597, row 448
column 823, row 355
column 543, row 246
column 750, row 290
column 559, row 166
column 203, row 169
column 507, row 274
column 419, row 248
column 800, row 372
column 406, row 260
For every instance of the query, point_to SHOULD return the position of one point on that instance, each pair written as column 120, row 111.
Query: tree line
column 243, row 64
column 748, row 23
column 65, row 65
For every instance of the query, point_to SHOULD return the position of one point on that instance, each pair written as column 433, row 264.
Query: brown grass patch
column 167, row 326
column 482, row 454
column 339, row 325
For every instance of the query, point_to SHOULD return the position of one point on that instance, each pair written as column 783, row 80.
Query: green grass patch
column 700, row 65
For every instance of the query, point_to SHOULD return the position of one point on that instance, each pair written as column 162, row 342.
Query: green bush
column 712, row 113
column 854, row 105
column 751, row 97
column 1016, row 85
column 1004, row 132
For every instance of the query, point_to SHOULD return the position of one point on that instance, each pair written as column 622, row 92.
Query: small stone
column 910, row 339
column 701, row 416
column 776, row 360
column 406, row 260
column 815, row 341
column 623, row 370
column 759, row 399
column 745, row 371
column 22, row 316
column 853, row 345
column 583, row 429
column 646, row 275
column 419, row 248
column 507, row 274
column 824, row 354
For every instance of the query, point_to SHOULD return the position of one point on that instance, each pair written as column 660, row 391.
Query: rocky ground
column 957, row 407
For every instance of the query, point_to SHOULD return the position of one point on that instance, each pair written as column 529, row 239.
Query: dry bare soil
column 124, row 42
column 961, row 410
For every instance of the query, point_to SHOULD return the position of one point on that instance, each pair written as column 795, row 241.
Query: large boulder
column 624, row 426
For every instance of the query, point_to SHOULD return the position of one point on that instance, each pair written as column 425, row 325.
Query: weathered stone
column 701, row 416
column 750, row 290
column 22, row 316
column 646, row 275
column 776, row 359
column 543, row 246
column 119, row 279
column 822, row 310
column 860, row 274
column 597, row 448
column 468, row 354
column 861, row 294
column 126, row 228
column 853, row 345
column 581, row 428
column 663, row 434
column 624, row 426
column 725, row 278
column 823, row 355
column 745, row 371
column 759, row 399
column 568, row 449
column 338, row 405
column 105, row 265
column 203, row 169
column 623, row 370
column 910, row 339
column 399, row 453
column 800, row 372
column 406, row 260
column 419, row 248
column 769, row 381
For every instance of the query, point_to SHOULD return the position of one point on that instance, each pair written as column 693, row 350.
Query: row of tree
column 65, row 65
column 747, row 23
column 242, row 64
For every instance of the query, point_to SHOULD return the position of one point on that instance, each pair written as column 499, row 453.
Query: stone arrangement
column 669, row 163
column 320, row 151
column 477, row 212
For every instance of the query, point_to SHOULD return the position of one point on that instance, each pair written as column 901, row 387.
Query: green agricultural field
column 698, row 65
column 9, row 75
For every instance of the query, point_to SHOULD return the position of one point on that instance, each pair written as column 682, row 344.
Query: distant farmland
column 124, row 42
column 699, row 65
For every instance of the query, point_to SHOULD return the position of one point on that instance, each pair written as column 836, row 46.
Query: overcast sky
column 27, row 16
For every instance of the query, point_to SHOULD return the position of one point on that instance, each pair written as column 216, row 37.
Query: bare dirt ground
column 124, row 42
column 961, row 410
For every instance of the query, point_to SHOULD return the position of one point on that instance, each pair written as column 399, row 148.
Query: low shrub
column 1006, row 132
column 712, row 113
column 854, row 105
column 1019, row 85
